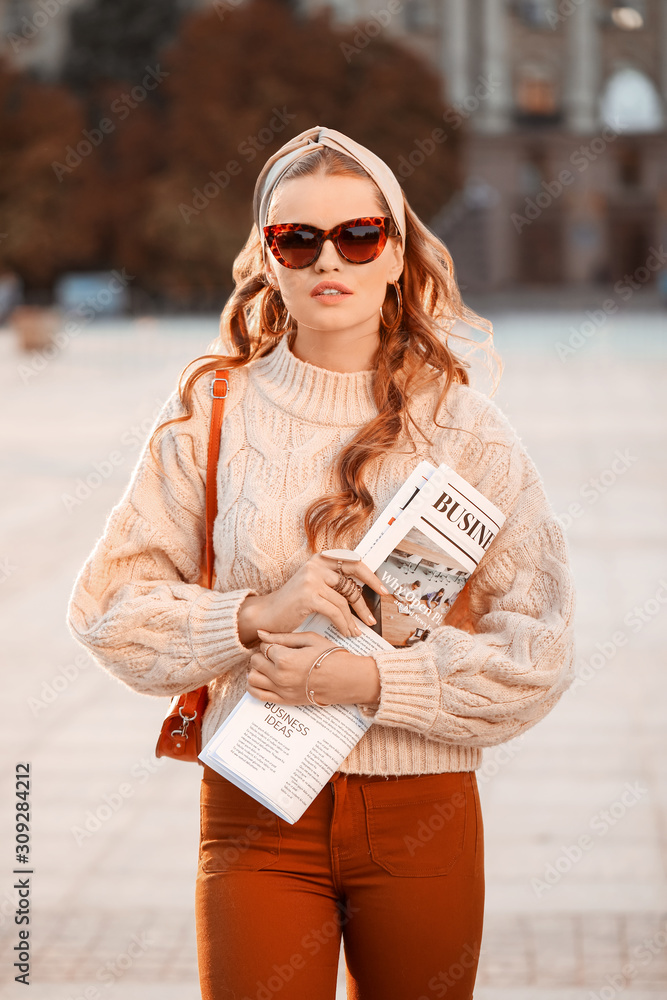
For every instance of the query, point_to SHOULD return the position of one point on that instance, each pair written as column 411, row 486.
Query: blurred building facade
column 565, row 108
column 563, row 104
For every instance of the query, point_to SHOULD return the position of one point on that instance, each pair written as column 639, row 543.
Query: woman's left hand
column 343, row 677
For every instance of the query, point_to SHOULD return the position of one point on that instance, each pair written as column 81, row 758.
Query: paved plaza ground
column 112, row 909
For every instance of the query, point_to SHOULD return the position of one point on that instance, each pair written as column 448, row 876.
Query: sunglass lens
column 361, row 243
column 298, row 247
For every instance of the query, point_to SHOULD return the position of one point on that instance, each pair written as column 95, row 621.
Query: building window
column 536, row 99
column 629, row 163
column 631, row 102
column 535, row 96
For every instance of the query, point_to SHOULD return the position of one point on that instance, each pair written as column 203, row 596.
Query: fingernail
column 358, row 631
column 372, row 620
column 262, row 631
column 384, row 589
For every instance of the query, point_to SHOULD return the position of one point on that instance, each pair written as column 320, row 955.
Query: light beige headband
column 316, row 138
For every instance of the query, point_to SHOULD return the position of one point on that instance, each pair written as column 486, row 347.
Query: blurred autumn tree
column 167, row 192
column 242, row 80
column 51, row 221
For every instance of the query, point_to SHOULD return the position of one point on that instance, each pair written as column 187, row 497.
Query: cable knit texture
column 139, row 608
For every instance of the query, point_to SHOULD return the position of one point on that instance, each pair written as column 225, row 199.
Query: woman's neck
column 351, row 350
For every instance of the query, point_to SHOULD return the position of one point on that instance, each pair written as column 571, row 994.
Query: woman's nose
column 329, row 256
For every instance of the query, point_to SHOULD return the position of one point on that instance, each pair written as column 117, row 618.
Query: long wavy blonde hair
column 413, row 350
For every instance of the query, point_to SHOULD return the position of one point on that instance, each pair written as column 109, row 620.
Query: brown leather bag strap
column 217, row 411
column 180, row 733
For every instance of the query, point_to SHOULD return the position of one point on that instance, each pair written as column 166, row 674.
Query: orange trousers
column 393, row 865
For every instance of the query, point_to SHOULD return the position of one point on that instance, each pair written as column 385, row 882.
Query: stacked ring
column 347, row 587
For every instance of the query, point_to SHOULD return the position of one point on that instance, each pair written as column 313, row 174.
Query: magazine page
column 283, row 755
column 423, row 546
column 404, row 498
column 426, row 555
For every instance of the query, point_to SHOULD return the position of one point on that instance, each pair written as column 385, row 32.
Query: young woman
column 433, row 599
column 342, row 379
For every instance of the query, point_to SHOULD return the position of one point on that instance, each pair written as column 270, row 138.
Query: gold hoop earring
column 399, row 305
column 275, row 318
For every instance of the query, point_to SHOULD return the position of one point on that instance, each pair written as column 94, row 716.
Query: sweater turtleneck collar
column 316, row 395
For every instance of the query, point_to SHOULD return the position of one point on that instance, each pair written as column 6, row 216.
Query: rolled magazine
column 424, row 546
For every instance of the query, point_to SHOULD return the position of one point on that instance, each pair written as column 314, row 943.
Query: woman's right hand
column 310, row 589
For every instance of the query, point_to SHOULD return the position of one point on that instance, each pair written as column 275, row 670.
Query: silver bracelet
column 310, row 694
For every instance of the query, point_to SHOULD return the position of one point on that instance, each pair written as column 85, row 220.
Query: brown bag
column 180, row 735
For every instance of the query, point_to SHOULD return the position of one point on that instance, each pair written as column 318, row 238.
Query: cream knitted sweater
column 137, row 607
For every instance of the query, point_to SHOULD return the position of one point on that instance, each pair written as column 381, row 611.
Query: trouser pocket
column 416, row 826
column 237, row 833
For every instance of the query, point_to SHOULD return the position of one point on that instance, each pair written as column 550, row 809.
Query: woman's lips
column 328, row 297
column 330, row 284
column 337, row 292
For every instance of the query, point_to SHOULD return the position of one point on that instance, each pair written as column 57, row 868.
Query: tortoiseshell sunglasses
column 358, row 240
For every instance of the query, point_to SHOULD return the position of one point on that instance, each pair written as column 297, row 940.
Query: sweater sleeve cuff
column 213, row 630
column 411, row 685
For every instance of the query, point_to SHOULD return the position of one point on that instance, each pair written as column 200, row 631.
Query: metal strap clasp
column 187, row 719
column 213, row 392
